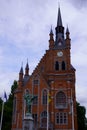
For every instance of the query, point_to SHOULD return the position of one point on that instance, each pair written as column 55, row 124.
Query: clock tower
column 53, row 83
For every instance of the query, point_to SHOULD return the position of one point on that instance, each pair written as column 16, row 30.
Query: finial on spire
column 67, row 29
column 58, row 4
column 67, row 32
column 51, row 30
column 59, row 19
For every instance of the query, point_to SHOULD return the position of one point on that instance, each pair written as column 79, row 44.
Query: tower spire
column 27, row 69
column 59, row 19
column 59, row 31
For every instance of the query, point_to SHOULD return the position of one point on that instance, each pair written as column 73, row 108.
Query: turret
column 21, row 74
column 51, row 40
column 68, row 37
column 20, row 82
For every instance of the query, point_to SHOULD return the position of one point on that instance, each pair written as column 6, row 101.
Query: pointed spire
column 51, row 40
column 59, row 19
column 27, row 66
column 67, row 32
column 27, row 69
column 21, row 73
column 21, row 70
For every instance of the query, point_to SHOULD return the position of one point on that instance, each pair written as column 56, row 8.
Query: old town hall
column 53, row 79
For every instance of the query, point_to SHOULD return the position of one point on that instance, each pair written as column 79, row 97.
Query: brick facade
column 55, row 75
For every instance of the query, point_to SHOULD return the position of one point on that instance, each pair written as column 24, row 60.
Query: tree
column 0, row 106
column 8, row 107
column 81, row 119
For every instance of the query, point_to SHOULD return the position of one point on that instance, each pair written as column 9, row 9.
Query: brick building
column 55, row 75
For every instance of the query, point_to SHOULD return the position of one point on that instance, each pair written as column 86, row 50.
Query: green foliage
column 81, row 119
column 8, row 107
column 0, row 106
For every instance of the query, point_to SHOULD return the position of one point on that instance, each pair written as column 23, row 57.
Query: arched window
column 44, row 119
column 56, row 65
column 44, row 97
column 63, row 65
column 60, row 100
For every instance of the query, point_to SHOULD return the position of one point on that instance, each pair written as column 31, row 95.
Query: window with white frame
column 61, row 118
column 61, row 100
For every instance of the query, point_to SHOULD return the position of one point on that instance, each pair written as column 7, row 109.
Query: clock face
column 59, row 43
column 60, row 53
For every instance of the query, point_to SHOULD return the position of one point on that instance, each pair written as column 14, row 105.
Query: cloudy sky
column 24, row 34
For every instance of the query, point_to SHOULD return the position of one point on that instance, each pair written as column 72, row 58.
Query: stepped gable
column 41, row 62
column 37, row 70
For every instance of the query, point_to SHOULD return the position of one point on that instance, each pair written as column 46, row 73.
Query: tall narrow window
column 57, row 118
column 56, row 65
column 44, row 97
column 60, row 100
column 61, row 118
column 63, row 65
column 44, row 119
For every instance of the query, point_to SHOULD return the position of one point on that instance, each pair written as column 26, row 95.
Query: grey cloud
column 79, row 3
